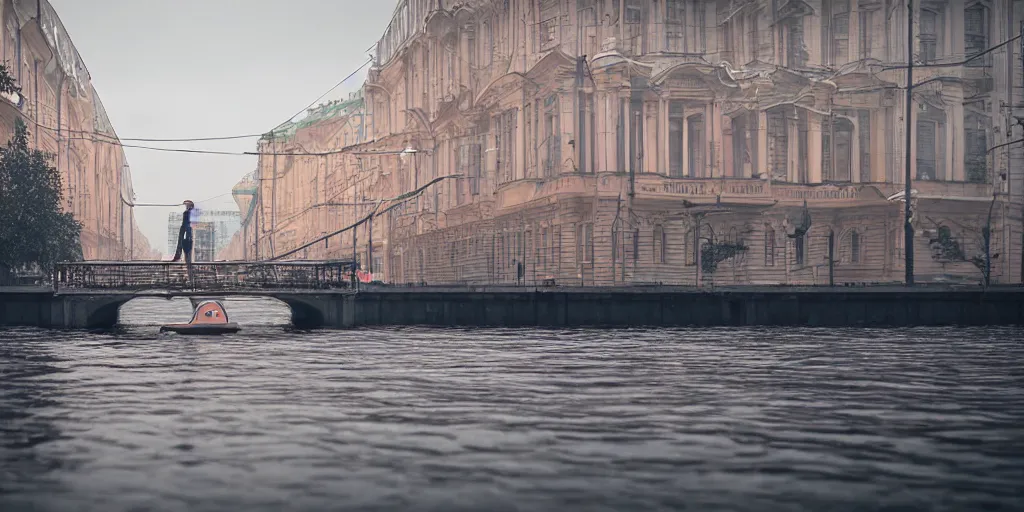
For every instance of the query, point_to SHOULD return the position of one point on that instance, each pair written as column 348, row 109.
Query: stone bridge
column 562, row 307
column 90, row 294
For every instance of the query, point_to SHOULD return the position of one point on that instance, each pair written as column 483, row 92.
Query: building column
column 814, row 149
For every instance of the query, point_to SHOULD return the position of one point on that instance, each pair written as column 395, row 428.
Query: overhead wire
column 322, row 96
column 119, row 141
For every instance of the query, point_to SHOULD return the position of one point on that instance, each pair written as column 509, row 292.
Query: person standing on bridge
column 185, row 234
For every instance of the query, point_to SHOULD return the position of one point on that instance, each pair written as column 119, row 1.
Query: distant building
column 212, row 230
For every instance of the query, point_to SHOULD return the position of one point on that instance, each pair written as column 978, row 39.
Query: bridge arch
column 104, row 311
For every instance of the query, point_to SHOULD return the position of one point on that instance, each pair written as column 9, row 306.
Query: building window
column 976, row 145
column 556, row 247
column 584, row 243
column 796, row 53
column 864, row 139
column 636, row 246
column 468, row 165
column 675, row 18
column 548, row 33
column 505, row 141
column 769, row 247
column 976, row 28
column 552, row 137
column 855, row 247
column 798, row 242
column 928, row 159
column 778, row 144
column 615, row 249
column 841, row 32
column 932, row 27
column 660, row 249
column 633, row 11
column 542, row 252
column 727, row 41
column 754, row 37
column 867, row 20
column 744, row 146
column 837, row 149
column 675, row 139
column 696, row 30
column 697, row 146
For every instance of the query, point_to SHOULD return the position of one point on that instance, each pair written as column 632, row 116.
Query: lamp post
column 908, row 228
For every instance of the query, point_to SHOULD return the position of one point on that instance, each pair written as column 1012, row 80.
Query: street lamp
column 908, row 228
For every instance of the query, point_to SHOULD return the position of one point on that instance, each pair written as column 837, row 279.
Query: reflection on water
column 400, row 419
column 260, row 312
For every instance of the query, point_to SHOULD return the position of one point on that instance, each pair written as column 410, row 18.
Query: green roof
column 318, row 114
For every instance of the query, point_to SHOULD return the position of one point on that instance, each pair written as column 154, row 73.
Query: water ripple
column 502, row 419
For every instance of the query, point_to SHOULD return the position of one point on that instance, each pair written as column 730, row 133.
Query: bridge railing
column 212, row 277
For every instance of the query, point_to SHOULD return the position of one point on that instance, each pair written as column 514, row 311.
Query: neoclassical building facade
column 603, row 142
column 66, row 118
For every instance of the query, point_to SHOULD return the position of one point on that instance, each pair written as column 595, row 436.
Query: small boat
column 209, row 318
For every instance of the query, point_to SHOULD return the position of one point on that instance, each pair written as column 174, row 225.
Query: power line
column 322, row 96
column 338, row 151
column 194, row 139
column 197, row 139
column 397, row 201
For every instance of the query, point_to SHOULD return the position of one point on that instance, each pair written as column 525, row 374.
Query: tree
column 34, row 231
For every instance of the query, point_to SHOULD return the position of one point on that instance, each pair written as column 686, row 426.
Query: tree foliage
column 34, row 230
column 8, row 84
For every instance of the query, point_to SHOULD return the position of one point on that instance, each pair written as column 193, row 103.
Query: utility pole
column 908, row 228
column 131, row 236
column 369, row 245
column 581, row 130
column 697, row 256
column 258, row 200
column 831, row 258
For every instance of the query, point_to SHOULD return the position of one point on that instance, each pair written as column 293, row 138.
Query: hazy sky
column 210, row 68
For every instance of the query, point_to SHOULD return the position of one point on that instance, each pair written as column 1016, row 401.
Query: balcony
column 928, row 189
column 729, row 190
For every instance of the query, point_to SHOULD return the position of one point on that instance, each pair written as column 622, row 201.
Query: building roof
column 319, row 114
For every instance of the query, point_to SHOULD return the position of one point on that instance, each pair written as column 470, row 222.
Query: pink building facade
column 66, row 118
column 603, row 142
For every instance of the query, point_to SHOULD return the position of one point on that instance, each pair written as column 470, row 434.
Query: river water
column 435, row 419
